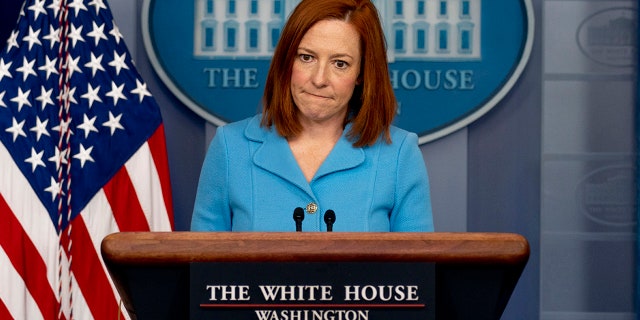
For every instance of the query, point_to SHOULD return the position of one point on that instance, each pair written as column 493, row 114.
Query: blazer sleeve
column 211, row 210
column 412, row 210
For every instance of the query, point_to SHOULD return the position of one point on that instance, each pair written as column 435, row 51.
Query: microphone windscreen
column 329, row 217
column 298, row 214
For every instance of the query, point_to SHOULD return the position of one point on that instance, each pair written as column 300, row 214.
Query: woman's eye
column 341, row 64
column 306, row 57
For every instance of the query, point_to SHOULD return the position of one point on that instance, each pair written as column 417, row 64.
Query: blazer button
column 312, row 207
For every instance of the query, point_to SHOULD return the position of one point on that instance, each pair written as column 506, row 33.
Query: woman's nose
column 319, row 76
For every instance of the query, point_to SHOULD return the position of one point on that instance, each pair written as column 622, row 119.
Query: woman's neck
column 312, row 146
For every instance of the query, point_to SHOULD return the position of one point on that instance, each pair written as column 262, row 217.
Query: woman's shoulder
column 241, row 127
column 398, row 132
column 401, row 136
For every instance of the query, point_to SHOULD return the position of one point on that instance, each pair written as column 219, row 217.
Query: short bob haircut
column 372, row 106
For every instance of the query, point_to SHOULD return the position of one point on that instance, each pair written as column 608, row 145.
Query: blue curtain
column 637, row 129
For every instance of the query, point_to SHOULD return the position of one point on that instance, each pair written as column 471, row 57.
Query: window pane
column 421, row 9
column 253, row 38
column 277, row 7
column 232, row 7
column 443, row 40
column 420, row 44
column 399, row 45
column 465, row 40
column 208, row 40
column 275, row 35
column 398, row 8
column 231, row 38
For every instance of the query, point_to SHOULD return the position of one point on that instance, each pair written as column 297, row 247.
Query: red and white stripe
column 137, row 198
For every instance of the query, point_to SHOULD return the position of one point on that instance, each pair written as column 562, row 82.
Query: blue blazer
column 250, row 181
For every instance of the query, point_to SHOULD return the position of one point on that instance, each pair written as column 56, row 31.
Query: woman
column 324, row 140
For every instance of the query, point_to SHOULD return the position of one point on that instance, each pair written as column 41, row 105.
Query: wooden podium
column 475, row 273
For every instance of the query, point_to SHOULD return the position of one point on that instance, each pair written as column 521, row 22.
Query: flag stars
column 4, row 69
column 32, row 37
column 116, row 93
column 38, row 8
column 72, row 65
column 68, row 94
column 77, row 5
column 49, row 67
column 113, row 123
column 13, row 40
column 75, row 35
column 45, row 97
column 53, row 37
column 141, row 90
column 55, row 6
column 55, row 189
column 118, row 62
column 40, row 128
column 35, row 159
column 84, row 155
column 27, row 68
column 16, row 129
column 63, row 128
column 92, row 94
column 22, row 99
column 2, row 99
column 98, row 4
column 60, row 157
column 97, row 33
column 87, row 125
column 84, row 65
column 95, row 64
column 115, row 32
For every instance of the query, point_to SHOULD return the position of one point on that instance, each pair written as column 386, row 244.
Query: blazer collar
column 274, row 155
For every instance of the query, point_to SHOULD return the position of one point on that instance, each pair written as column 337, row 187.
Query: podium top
column 142, row 248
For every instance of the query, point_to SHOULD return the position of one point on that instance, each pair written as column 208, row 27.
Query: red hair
column 372, row 106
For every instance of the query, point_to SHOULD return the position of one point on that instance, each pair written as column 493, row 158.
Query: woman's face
column 326, row 71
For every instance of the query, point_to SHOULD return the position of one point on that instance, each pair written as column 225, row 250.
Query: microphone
column 298, row 216
column 329, row 219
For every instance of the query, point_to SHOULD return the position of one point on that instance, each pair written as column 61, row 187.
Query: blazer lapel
column 343, row 156
column 274, row 155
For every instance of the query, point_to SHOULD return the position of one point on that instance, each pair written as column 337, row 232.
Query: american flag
column 82, row 155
